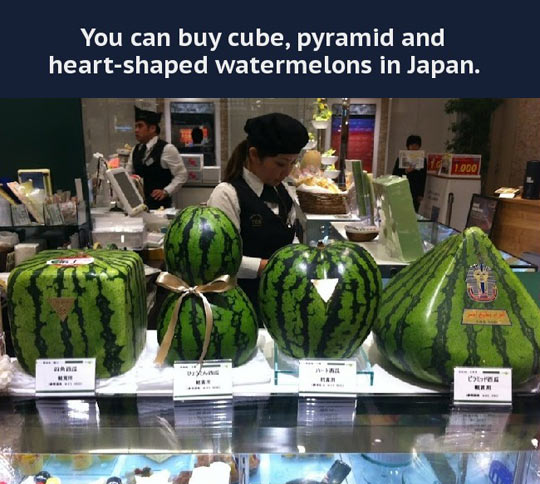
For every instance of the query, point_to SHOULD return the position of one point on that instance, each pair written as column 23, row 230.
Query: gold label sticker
column 62, row 306
column 486, row 317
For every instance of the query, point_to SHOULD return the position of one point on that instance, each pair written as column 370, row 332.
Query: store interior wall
column 108, row 125
column 515, row 139
column 43, row 133
column 424, row 117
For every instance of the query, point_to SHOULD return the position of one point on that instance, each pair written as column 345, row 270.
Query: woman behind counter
column 253, row 195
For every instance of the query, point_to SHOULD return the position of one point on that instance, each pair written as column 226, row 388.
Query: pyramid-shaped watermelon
column 459, row 305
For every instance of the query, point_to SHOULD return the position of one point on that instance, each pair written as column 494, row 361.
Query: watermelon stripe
column 528, row 330
column 78, row 310
column 65, row 333
column 120, row 268
column 370, row 309
column 35, row 293
column 111, row 349
column 440, row 354
column 15, row 327
column 394, row 305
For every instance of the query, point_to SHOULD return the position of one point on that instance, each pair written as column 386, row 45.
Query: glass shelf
column 382, row 440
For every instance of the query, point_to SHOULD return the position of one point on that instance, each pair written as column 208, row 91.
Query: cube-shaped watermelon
column 68, row 303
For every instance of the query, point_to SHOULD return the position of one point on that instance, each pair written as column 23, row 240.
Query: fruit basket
column 323, row 203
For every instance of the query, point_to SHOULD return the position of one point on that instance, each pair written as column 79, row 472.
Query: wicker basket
column 323, row 203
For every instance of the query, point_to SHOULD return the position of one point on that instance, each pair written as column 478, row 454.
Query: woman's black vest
column 263, row 232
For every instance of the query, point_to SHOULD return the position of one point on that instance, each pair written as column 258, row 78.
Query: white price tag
column 327, row 377
column 491, row 386
column 193, row 381
column 65, row 377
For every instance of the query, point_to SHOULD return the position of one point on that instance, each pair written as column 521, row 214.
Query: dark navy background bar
column 502, row 43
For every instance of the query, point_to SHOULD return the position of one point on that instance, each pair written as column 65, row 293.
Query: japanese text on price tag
column 65, row 377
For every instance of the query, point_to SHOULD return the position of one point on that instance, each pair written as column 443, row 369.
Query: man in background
column 157, row 162
column 416, row 177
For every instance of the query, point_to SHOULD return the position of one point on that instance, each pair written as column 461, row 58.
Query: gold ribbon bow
column 175, row 284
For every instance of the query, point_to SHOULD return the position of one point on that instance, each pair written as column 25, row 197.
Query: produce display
column 459, row 305
column 202, row 244
column 64, row 304
column 234, row 333
column 320, row 302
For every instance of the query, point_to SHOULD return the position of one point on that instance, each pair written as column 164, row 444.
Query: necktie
column 271, row 195
column 142, row 151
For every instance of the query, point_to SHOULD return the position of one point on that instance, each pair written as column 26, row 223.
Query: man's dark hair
column 197, row 135
column 413, row 139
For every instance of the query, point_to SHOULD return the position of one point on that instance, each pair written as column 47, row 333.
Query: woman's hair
column 238, row 160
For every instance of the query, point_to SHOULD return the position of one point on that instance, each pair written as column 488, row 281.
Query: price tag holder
column 65, row 377
column 330, row 378
column 193, row 381
column 482, row 386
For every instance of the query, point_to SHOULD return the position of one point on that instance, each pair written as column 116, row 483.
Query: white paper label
column 193, row 381
column 65, row 377
column 483, row 385
column 71, row 261
column 327, row 377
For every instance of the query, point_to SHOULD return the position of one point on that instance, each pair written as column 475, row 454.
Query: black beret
column 149, row 117
column 276, row 133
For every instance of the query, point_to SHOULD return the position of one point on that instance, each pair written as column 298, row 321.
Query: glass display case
column 269, row 440
column 432, row 233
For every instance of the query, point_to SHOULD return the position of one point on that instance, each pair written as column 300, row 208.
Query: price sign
column 465, row 165
column 489, row 386
column 65, row 377
column 434, row 161
column 327, row 377
column 193, row 381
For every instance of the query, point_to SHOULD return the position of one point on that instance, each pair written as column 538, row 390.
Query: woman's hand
column 262, row 265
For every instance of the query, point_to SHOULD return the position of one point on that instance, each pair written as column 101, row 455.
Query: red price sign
column 434, row 161
column 465, row 166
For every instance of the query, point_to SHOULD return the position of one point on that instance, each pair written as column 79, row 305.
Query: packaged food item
column 80, row 462
column 29, row 464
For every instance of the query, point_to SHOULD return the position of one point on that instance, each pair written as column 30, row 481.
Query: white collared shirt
column 225, row 197
column 170, row 159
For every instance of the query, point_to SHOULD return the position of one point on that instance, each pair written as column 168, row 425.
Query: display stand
column 286, row 366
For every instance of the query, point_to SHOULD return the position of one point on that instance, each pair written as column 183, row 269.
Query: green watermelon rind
column 108, row 322
column 430, row 351
column 235, row 331
column 301, row 323
column 201, row 244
